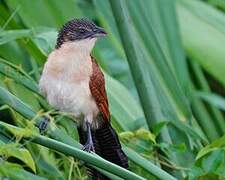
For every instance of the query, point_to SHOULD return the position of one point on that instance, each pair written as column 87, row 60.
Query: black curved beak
column 99, row 32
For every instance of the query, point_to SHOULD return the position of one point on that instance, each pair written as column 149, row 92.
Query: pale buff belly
column 65, row 80
column 70, row 97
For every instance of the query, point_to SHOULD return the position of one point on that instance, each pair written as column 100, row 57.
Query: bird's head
column 78, row 30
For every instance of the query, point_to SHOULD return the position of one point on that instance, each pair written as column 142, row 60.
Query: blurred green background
column 164, row 64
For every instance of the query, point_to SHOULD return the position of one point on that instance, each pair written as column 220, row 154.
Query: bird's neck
column 72, row 59
column 83, row 47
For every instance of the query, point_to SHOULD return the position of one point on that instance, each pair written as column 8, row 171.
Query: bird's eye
column 81, row 30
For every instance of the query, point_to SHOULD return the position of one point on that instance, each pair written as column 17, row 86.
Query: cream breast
column 65, row 79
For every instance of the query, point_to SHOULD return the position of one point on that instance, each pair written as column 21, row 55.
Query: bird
column 73, row 82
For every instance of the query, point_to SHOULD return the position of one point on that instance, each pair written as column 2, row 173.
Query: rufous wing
column 97, row 88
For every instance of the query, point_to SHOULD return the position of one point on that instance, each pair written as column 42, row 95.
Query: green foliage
column 214, row 99
column 198, row 28
column 211, row 166
column 11, row 150
column 163, row 104
column 16, row 172
column 217, row 144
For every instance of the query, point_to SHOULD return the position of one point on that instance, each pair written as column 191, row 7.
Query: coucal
column 73, row 82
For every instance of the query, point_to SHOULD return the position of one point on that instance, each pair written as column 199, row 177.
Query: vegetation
column 164, row 67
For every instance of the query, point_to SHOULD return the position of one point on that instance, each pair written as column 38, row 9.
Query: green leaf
column 138, row 68
column 122, row 105
column 145, row 134
column 127, row 135
column 26, row 111
column 219, row 143
column 214, row 99
column 15, row 171
column 204, row 86
column 214, row 161
column 26, row 132
column 11, row 150
column 161, row 96
column 92, row 159
column 203, row 35
column 51, row 14
column 7, row 36
column 148, row 165
column 7, row 98
column 210, row 166
column 217, row 3
column 43, row 37
column 18, row 75
column 157, row 127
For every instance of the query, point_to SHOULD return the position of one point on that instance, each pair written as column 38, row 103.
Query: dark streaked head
column 78, row 29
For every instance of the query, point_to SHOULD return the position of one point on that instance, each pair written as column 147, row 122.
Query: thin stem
column 71, row 169
column 89, row 158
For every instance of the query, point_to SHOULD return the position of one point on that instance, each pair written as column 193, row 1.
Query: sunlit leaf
column 11, row 150
column 219, row 143
column 15, row 171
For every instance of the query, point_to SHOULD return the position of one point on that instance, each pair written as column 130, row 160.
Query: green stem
column 86, row 157
column 201, row 80
column 155, row 170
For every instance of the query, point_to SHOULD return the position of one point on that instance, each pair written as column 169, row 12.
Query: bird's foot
column 43, row 125
column 88, row 147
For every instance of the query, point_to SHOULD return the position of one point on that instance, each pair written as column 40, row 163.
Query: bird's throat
column 84, row 46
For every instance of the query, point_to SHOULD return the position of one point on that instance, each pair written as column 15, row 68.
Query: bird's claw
column 43, row 125
column 88, row 147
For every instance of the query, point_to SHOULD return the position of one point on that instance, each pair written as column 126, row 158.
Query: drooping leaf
column 214, row 99
column 219, row 143
column 15, row 171
column 11, row 150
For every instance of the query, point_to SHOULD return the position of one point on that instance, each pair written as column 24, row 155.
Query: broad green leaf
column 45, row 40
column 158, row 45
column 16, row 172
column 7, row 36
column 43, row 37
column 11, row 150
column 123, row 106
column 202, row 37
column 50, row 15
column 17, row 57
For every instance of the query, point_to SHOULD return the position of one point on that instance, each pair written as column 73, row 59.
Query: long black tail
column 107, row 145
